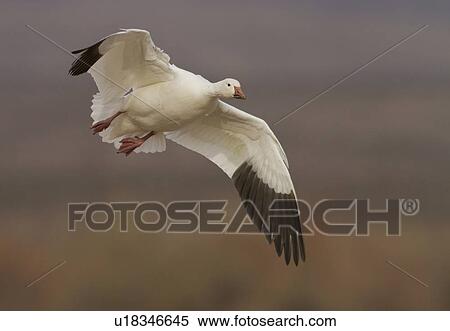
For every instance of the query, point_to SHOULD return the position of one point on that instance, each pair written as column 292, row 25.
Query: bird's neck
column 213, row 90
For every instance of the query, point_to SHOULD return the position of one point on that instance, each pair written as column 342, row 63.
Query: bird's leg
column 127, row 145
column 99, row 126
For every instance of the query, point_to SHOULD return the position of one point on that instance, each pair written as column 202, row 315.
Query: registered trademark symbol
column 410, row 207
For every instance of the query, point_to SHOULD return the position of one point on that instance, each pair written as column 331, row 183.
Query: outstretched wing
column 124, row 60
column 245, row 148
column 119, row 63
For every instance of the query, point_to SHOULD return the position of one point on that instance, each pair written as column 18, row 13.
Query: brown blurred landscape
column 383, row 133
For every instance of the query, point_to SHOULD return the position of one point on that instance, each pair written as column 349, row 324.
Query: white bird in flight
column 143, row 100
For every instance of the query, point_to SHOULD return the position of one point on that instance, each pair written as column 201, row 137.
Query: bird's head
column 230, row 88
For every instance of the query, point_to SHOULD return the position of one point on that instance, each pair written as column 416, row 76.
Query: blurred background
column 384, row 133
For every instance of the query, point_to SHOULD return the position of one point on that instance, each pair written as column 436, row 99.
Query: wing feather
column 123, row 60
column 119, row 64
column 245, row 148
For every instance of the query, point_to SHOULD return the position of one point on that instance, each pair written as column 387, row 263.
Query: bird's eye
column 229, row 84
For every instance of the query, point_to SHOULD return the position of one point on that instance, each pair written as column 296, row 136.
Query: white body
column 179, row 99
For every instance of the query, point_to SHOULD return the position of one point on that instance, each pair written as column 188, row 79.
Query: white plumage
column 144, row 99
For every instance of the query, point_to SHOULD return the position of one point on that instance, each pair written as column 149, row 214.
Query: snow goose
column 144, row 99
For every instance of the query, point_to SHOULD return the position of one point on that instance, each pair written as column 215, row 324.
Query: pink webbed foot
column 128, row 145
column 99, row 126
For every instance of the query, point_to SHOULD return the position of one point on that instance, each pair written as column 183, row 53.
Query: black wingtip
column 278, row 246
column 88, row 57
column 286, row 239
column 302, row 250
column 78, row 51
